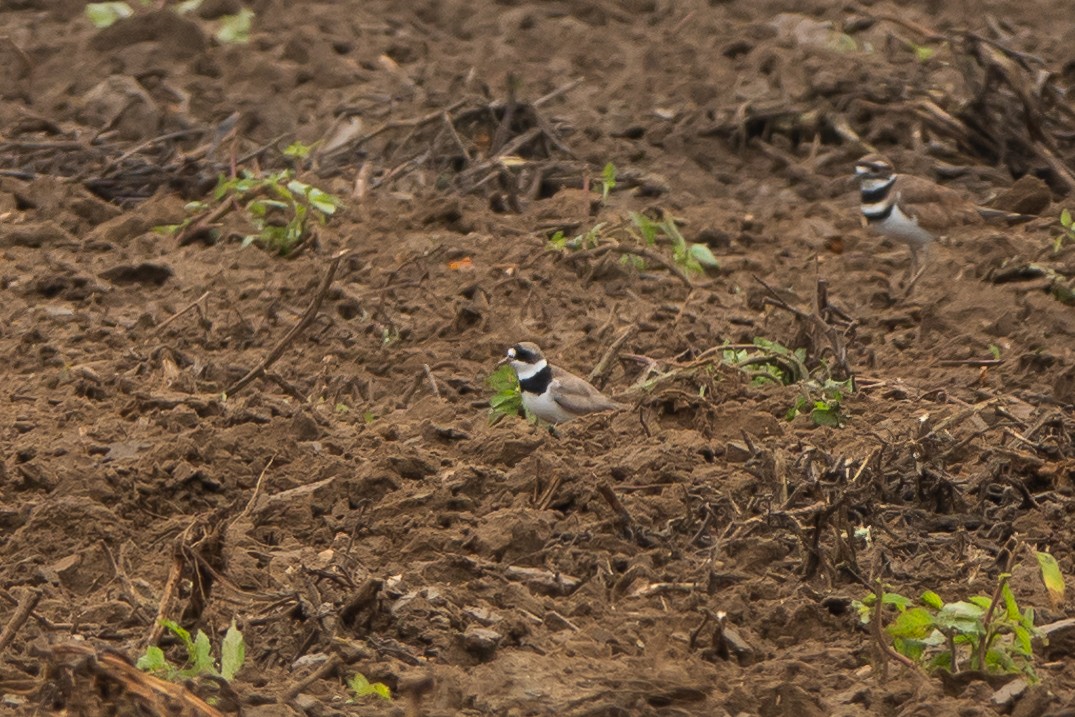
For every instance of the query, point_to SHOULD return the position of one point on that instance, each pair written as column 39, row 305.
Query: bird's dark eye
column 522, row 354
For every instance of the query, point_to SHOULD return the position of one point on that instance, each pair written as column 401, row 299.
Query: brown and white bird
column 911, row 209
column 551, row 393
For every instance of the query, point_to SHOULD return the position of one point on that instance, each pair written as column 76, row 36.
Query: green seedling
column 103, row 14
column 821, row 402
column 689, row 256
column 608, row 180
column 983, row 633
column 768, row 362
column 1067, row 231
column 507, row 400
column 587, row 240
column 922, row 53
column 278, row 206
column 361, row 687
column 235, row 29
column 639, row 229
column 200, row 660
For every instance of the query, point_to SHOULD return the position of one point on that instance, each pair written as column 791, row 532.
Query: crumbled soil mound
column 351, row 506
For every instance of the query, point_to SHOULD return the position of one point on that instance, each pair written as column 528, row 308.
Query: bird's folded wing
column 576, row 396
column 936, row 207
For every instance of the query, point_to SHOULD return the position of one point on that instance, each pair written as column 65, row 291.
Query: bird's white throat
column 872, row 184
column 528, row 370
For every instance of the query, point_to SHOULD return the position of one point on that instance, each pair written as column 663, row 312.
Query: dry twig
column 307, row 318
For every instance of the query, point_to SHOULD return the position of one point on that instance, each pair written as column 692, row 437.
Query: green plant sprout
column 608, row 180
column 690, row 256
column 640, row 229
column 1067, row 233
column 103, row 14
column 235, row 29
column 200, row 660
column 587, row 240
column 985, row 633
column 278, row 206
column 362, row 687
column 769, row 362
column 822, row 402
column 922, row 53
column 507, row 400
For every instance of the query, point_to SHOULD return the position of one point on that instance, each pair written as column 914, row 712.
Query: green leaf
column 298, row 150
column 184, row 636
column 1023, row 640
column 235, row 28
column 1065, row 215
column 909, row 648
column 826, row 415
column 1000, row 661
column 646, row 227
column 942, row 660
column 202, row 657
column 923, row 53
column 188, row 6
column 932, row 599
column 232, row 652
column 702, row 254
column 982, row 601
column 961, row 617
column 1051, row 576
column 323, row 201
column 153, row 660
column 361, row 687
column 608, row 180
column 915, row 622
column 103, row 14
column 1010, row 606
column 897, row 600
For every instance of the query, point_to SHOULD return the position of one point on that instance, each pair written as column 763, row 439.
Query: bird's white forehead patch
column 511, row 352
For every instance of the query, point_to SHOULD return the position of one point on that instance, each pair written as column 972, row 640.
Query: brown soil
column 356, row 511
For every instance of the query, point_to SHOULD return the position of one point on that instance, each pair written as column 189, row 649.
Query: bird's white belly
column 901, row 227
column 545, row 407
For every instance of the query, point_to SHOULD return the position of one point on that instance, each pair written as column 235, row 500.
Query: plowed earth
column 355, row 511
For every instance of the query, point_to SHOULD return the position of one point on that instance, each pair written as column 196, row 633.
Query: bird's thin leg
column 918, row 267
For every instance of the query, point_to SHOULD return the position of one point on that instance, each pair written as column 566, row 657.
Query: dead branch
column 159, row 697
column 600, row 370
column 22, row 613
column 307, row 318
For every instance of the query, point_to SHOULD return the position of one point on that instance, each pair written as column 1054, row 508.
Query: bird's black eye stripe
column 523, row 355
column 872, row 196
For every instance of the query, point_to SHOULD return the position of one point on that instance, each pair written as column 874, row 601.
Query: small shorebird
column 551, row 393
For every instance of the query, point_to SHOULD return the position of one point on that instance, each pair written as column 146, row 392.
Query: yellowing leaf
column 1051, row 576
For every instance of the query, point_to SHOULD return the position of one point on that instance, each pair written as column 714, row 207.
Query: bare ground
column 355, row 511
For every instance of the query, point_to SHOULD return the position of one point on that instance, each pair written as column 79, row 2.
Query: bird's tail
column 991, row 215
